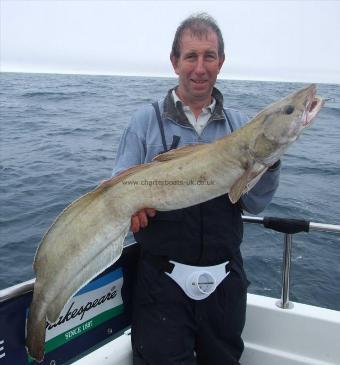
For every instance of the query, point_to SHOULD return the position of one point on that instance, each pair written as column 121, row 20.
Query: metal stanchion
column 284, row 302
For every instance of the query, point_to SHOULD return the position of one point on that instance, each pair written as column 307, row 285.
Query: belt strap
column 164, row 264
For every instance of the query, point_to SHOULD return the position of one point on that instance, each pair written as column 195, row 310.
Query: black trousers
column 169, row 328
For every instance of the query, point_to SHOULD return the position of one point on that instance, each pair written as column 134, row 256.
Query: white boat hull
column 302, row 335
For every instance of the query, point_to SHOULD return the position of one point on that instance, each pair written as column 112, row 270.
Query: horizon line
column 163, row 75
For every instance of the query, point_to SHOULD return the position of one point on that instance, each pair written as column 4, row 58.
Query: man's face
column 197, row 66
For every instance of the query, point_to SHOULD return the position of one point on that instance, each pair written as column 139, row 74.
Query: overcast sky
column 265, row 40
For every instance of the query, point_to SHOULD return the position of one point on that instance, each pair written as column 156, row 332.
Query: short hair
column 199, row 26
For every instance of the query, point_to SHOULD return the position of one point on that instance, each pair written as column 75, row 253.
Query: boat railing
column 287, row 226
column 74, row 335
column 16, row 290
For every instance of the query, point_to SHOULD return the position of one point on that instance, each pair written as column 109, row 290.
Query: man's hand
column 140, row 219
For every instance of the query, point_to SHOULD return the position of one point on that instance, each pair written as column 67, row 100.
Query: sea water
column 59, row 137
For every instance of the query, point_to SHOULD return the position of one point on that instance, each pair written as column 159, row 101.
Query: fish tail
column 36, row 330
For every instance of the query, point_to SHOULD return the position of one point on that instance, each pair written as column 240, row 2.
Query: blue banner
column 97, row 313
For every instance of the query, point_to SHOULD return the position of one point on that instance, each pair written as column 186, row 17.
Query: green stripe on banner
column 81, row 329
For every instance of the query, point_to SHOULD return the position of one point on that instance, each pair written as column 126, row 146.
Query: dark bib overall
column 167, row 325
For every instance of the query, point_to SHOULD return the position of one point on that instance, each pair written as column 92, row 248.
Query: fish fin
column 256, row 178
column 36, row 330
column 116, row 179
column 179, row 152
column 245, row 183
column 239, row 186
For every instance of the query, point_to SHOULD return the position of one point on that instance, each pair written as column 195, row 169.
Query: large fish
column 88, row 235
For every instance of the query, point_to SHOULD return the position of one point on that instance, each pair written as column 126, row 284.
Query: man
column 168, row 326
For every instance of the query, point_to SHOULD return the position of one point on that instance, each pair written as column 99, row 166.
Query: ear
column 174, row 62
column 220, row 62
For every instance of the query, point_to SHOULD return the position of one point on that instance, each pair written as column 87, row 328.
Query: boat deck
column 301, row 335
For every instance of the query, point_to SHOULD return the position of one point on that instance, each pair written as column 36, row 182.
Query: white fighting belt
column 198, row 282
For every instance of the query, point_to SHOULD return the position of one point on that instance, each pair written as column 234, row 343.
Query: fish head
column 282, row 123
column 288, row 117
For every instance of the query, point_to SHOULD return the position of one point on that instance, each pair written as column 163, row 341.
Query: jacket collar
column 176, row 113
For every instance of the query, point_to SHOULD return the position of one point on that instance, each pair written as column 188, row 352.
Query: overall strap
column 160, row 124
column 175, row 139
column 227, row 115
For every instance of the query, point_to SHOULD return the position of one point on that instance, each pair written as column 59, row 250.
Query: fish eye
column 289, row 109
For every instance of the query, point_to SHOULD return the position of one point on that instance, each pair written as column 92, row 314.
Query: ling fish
column 88, row 235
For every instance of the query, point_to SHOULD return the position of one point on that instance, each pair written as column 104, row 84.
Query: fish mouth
column 313, row 105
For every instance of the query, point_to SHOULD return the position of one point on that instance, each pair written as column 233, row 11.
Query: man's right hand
column 140, row 219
